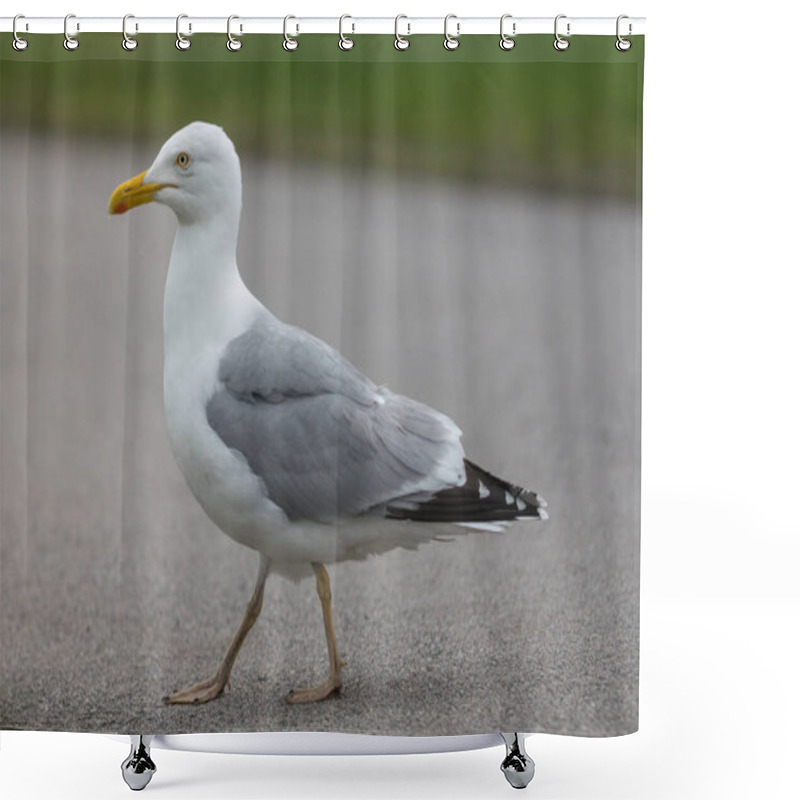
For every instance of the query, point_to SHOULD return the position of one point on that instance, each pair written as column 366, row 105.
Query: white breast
column 202, row 314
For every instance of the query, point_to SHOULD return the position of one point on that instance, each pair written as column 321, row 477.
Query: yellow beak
column 133, row 193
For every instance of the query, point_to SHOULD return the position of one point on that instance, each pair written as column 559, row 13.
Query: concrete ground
column 514, row 314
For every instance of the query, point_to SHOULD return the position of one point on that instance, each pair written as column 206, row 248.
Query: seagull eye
column 182, row 160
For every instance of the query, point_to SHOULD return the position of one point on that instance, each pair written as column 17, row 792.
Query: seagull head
column 196, row 173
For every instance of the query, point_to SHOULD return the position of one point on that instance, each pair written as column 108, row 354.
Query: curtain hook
column 623, row 44
column 234, row 43
column 345, row 43
column 19, row 43
column 182, row 42
column 507, row 42
column 451, row 42
column 70, row 42
column 561, row 43
column 128, row 42
column 289, row 42
column 400, row 42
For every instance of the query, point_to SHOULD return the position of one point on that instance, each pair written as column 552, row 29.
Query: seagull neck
column 202, row 275
column 204, row 255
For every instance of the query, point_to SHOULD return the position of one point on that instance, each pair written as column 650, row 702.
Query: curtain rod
column 403, row 25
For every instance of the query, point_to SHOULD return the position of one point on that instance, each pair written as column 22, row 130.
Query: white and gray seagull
column 289, row 449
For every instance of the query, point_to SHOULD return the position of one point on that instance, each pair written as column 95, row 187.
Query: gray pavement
column 514, row 314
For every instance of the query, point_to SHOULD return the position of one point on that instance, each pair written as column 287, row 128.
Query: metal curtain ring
column 289, row 42
column 70, row 42
column 128, row 42
column 345, row 43
column 623, row 44
column 451, row 42
column 560, row 43
column 400, row 42
column 182, row 43
column 234, row 44
column 506, row 41
column 19, row 43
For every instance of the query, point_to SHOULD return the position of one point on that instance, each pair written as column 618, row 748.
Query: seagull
column 289, row 449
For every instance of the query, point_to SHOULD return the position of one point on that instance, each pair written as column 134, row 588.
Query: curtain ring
column 560, row 43
column 289, row 42
column 19, row 43
column 234, row 44
column 507, row 42
column 623, row 44
column 451, row 42
column 128, row 42
column 182, row 43
column 70, row 42
column 345, row 42
column 400, row 42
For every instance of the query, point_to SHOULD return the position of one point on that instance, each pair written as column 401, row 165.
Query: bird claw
column 201, row 692
column 315, row 693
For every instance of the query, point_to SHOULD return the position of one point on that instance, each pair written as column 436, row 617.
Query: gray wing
column 324, row 440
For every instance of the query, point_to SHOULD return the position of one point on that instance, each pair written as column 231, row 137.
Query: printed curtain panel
column 320, row 386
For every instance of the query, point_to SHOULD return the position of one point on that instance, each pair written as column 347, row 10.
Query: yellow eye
column 182, row 160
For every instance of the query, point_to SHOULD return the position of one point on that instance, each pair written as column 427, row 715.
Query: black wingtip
column 482, row 497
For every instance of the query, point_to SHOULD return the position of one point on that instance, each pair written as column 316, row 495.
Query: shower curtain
column 463, row 226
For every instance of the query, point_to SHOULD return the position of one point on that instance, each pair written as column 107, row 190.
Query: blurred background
column 565, row 126
column 466, row 230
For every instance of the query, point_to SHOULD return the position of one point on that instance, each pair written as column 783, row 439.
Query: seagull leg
column 213, row 687
column 334, row 683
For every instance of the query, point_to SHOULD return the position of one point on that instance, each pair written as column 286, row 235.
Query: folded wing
column 325, row 441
